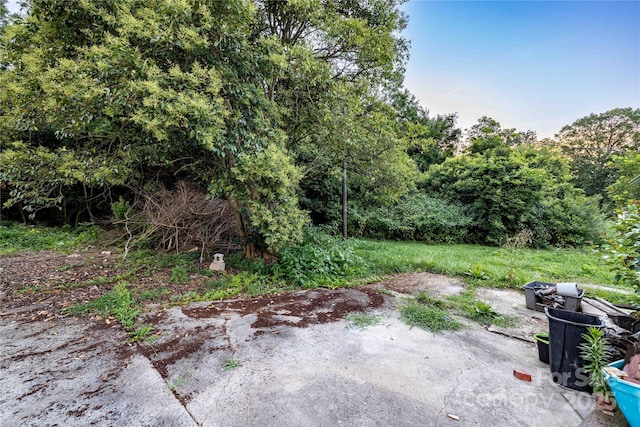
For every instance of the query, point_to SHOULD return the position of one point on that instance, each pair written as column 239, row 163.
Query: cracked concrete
column 65, row 372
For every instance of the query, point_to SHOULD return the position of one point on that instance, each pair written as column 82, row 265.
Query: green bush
column 321, row 260
column 622, row 249
column 507, row 190
column 627, row 166
column 414, row 217
column 565, row 220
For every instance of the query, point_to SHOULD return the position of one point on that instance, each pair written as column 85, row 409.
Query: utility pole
column 344, row 197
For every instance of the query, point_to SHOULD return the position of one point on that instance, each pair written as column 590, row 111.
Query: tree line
column 288, row 112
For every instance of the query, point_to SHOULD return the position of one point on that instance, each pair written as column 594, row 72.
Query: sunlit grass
column 16, row 238
column 491, row 266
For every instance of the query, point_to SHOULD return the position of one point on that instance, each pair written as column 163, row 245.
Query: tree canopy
column 271, row 106
column 591, row 142
column 230, row 94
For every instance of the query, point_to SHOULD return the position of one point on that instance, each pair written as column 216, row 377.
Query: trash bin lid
column 573, row 318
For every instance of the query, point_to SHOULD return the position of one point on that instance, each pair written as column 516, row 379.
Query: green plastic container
column 542, row 341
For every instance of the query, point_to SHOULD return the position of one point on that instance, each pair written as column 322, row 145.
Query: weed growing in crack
column 231, row 364
column 175, row 384
column 362, row 320
column 428, row 317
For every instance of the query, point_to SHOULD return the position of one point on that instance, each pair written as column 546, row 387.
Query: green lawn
column 491, row 265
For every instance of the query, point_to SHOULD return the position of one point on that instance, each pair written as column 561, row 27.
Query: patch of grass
column 233, row 285
column 145, row 262
column 437, row 313
column 120, row 304
column 16, row 238
column 230, row 286
column 231, row 364
column 485, row 265
column 428, row 318
column 29, row 289
column 179, row 274
column 468, row 306
column 614, row 297
column 154, row 294
column 426, row 299
column 362, row 320
column 186, row 298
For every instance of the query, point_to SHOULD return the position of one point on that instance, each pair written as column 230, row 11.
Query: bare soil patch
column 40, row 285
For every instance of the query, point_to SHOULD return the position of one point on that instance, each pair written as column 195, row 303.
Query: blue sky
column 535, row 65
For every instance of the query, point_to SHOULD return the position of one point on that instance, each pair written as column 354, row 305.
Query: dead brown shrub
column 181, row 219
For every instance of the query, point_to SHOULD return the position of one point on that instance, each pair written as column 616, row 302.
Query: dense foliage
column 622, row 249
column 280, row 110
column 591, row 142
column 414, row 217
column 236, row 96
column 507, row 190
column 627, row 167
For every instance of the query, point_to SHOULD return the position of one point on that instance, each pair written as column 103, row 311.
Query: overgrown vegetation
column 120, row 304
column 321, row 260
column 224, row 124
column 622, row 249
column 16, row 237
column 436, row 314
column 414, row 217
column 506, row 190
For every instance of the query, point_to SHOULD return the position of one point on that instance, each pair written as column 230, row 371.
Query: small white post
column 218, row 263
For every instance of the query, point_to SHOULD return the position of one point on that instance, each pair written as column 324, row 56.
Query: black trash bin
column 565, row 335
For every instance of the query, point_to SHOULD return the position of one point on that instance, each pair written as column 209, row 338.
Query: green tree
column 4, row 12
column 342, row 58
column 507, row 190
column 627, row 168
column 622, row 247
column 430, row 139
column 165, row 89
column 210, row 91
column 591, row 142
column 488, row 127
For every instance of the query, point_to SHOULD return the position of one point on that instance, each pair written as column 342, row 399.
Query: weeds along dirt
column 40, row 285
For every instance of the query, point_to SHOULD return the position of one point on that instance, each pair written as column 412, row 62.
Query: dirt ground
column 296, row 361
column 38, row 286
